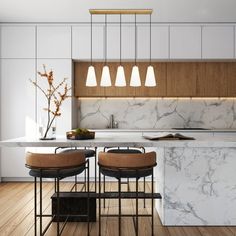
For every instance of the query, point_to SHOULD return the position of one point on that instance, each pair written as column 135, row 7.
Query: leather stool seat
column 119, row 165
column 87, row 152
column 128, row 151
column 53, row 165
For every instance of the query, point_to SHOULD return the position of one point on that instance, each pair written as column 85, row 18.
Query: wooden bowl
column 73, row 136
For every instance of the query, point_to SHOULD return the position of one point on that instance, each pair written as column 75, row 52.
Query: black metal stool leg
column 136, row 225
column 95, row 167
column 104, row 190
column 152, row 206
column 40, row 205
column 119, row 190
column 55, row 185
column 144, row 190
column 99, row 202
column 85, row 181
column 58, row 206
column 88, row 200
column 35, row 206
column 75, row 183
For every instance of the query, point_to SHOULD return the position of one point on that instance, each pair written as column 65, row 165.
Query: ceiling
column 77, row 10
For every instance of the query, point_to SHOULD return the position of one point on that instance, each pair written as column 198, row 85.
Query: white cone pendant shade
column 120, row 77
column 91, row 77
column 106, row 78
column 150, row 77
column 135, row 77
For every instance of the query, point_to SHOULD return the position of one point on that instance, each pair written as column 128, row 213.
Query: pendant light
column 120, row 75
column 91, row 76
column 150, row 76
column 106, row 78
column 135, row 77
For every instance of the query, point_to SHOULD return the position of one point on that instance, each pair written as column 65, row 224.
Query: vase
column 47, row 133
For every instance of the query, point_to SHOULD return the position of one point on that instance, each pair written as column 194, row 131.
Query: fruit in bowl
column 80, row 134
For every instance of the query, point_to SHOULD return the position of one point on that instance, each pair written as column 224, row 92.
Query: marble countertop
column 166, row 130
column 122, row 140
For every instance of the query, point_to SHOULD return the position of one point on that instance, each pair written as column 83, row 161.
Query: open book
column 176, row 136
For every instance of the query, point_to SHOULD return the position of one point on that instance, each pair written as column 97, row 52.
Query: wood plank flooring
column 17, row 212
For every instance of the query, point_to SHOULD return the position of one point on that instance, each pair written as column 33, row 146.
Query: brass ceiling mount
column 120, row 11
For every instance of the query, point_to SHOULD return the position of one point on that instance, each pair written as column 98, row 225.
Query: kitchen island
column 197, row 179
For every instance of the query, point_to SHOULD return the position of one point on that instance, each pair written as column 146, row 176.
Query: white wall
column 77, row 10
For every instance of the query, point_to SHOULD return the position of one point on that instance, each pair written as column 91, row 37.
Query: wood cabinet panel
column 231, row 82
column 80, row 74
column 181, row 79
column 213, row 81
column 174, row 79
column 160, row 74
column 81, row 90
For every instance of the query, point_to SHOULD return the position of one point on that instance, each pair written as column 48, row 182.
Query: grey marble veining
column 199, row 186
column 141, row 113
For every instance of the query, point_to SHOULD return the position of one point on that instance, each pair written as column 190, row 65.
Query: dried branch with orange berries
column 53, row 95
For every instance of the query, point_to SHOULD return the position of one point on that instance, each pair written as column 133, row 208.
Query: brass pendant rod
column 120, row 11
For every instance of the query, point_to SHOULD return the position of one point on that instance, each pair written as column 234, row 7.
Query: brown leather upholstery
column 41, row 160
column 130, row 160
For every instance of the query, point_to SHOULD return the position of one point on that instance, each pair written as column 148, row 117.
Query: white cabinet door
column 128, row 42
column 54, row 42
column 218, row 42
column 159, row 43
column 81, row 42
column 61, row 69
column 17, row 42
column 17, row 111
column 185, row 42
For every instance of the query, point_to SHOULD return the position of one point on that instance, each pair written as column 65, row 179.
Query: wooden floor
column 16, row 216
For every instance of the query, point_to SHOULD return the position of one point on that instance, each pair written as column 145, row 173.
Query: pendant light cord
column 105, row 39
column 120, row 39
column 150, row 58
column 135, row 59
column 91, row 40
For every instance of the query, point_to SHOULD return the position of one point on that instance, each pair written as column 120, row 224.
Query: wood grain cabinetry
column 174, row 79
column 81, row 90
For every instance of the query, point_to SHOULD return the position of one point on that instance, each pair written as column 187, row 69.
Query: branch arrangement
column 53, row 95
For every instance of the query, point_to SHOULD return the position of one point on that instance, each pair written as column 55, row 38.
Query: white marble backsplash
column 139, row 113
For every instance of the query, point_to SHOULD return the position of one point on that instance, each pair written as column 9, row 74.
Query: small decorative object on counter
column 55, row 94
column 80, row 134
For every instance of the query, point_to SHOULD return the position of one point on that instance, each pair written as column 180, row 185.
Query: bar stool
column 121, row 165
column 126, row 150
column 89, row 153
column 56, row 166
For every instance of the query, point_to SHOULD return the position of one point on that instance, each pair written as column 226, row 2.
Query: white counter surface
column 167, row 130
column 126, row 139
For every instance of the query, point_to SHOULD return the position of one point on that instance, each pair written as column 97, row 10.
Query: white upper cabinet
column 235, row 42
column 218, row 42
column 113, row 41
column 185, row 42
column 54, row 42
column 159, row 42
column 17, row 42
column 81, row 42
column 128, row 42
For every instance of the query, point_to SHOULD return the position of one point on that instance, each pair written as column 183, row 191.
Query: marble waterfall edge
column 140, row 113
column 199, row 186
